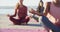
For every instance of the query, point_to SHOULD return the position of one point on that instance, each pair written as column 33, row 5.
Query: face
column 21, row 1
column 41, row 4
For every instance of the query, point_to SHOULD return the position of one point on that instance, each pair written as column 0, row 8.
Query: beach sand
column 6, row 25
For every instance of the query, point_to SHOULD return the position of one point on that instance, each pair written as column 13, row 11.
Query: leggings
column 19, row 21
column 49, row 24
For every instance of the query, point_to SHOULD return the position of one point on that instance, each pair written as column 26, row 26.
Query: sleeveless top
column 22, row 11
column 54, row 14
column 41, row 10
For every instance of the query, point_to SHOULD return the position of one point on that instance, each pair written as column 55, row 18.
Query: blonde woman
column 21, row 11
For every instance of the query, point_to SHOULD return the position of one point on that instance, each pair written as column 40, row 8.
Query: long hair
column 39, row 7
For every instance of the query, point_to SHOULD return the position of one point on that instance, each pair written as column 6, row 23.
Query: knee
column 44, row 18
column 27, row 17
column 10, row 18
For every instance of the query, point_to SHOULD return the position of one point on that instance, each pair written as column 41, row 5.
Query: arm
column 16, row 8
column 35, row 12
column 47, row 9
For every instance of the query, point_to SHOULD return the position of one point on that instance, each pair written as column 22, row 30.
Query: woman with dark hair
column 21, row 11
column 51, row 16
column 40, row 9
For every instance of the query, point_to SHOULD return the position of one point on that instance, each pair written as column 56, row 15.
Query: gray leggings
column 50, row 25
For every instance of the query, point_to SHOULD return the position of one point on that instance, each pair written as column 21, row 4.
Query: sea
column 10, row 9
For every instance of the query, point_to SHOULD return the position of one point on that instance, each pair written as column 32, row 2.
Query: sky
column 9, row 3
column 26, row 2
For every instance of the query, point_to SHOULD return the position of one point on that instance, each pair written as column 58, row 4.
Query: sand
column 6, row 24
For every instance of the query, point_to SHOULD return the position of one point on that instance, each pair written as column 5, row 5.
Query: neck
column 21, row 4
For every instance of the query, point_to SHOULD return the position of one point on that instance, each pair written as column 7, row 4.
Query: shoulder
column 48, row 3
column 25, row 6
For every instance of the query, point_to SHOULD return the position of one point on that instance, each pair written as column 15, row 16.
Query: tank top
column 22, row 12
column 54, row 14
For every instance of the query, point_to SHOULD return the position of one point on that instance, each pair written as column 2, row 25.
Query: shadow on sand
column 37, row 25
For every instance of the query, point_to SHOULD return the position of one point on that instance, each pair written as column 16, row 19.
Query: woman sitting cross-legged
column 21, row 11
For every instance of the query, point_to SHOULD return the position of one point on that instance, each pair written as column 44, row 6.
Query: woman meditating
column 21, row 11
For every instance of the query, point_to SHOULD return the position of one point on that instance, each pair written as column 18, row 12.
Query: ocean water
column 6, row 11
column 10, row 10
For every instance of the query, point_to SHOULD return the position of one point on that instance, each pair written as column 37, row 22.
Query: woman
column 40, row 9
column 21, row 11
column 51, row 16
column 52, row 13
